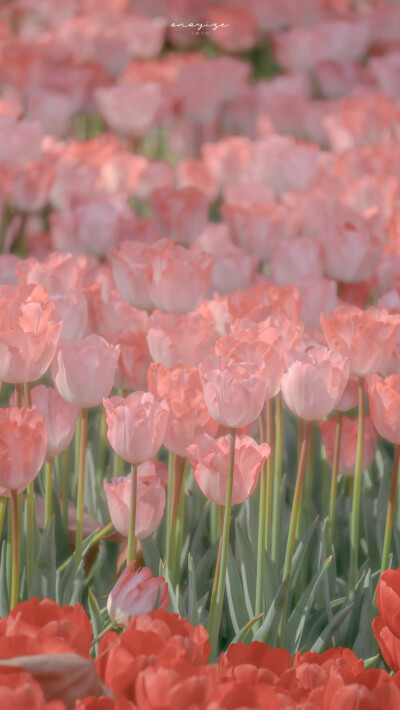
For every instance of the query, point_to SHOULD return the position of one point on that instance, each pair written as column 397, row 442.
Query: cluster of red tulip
column 160, row 661
column 199, row 353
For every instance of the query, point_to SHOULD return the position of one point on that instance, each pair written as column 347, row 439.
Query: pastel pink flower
column 136, row 425
column 60, row 417
column 295, row 259
column 318, row 295
column 234, row 391
column 209, row 459
column 348, row 443
column 179, row 278
column 180, row 215
column 136, row 593
column 23, row 443
column 83, row 371
column 168, row 347
column 130, row 109
column 315, row 382
column 134, row 359
column 264, row 300
column 30, row 330
column 182, row 391
column 131, row 266
column 150, row 502
column 367, row 338
column 349, row 398
column 259, row 344
column 384, row 404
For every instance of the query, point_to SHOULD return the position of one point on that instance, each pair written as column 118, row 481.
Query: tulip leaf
column 44, row 575
column 268, row 631
column 365, row 638
column 325, row 637
column 296, row 624
column 235, row 595
column 95, row 616
column 193, row 607
column 243, row 633
column 4, row 600
column 151, row 554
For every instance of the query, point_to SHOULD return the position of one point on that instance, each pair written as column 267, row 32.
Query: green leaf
column 296, row 624
column 235, row 595
column 4, row 600
column 151, row 554
column 243, row 633
column 326, row 636
column 268, row 631
column 44, row 575
column 95, row 616
column 193, row 606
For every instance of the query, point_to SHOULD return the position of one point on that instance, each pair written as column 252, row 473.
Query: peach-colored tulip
column 136, row 425
column 168, row 347
column 136, row 593
column 318, row 295
column 188, row 414
column 293, row 259
column 150, row 499
column 367, row 338
column 83, row 371
column 348, row 443
column 180, row 278
column 179, row 214
column 131, row 265
column 264, row 300
column 29, row 333
column 349, row 398
column 384, row 404
column 60, row 417
column 134, row 359
column 209, row 459
column 234, row 391
column 23, row 442
column 260, row 345
column 315, row 382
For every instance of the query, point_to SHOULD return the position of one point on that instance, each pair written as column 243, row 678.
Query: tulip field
column 199, row 354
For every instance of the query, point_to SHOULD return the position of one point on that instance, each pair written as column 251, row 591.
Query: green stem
column 132, row 516
column 213, row 602
column 215, row 527
column 276, row 502
column 81, row 487
column 390, row 509
column 262, row 522
column 355, row 507
column 7, row 212
column 334, row 482
column 31, row 506
column 180, row 521
column 216, row 622
column 294, row 517
column 171, row 458
column 65, row 485
column 3, row 504
column 270, row 474
column 178, row 464
column 15, row 550
column 49, row 490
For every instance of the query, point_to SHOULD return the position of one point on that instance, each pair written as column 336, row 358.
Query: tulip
column 388, row 599
column 83, row 370
column 136, row 593
column 29, row 333
column 389, row 644
column 209, row 459
column 165, row 340
column 234, row 391
column 150, row 499
column 23, row 442
column 180, row 215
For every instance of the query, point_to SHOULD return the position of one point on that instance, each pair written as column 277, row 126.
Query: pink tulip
column 234, row 391
column 367, row 338
column 60, row 417
column 168, row 347
column 134, row 359
column 384, row 403
column 189, row 417
column 180, row 215
column 293, row 259
column 150, row 499
column 315, row 382
column 23, row 442
column 209, row 459
column 29, row 333
column 318, row 295
column 180, row 278
column 131, row 265
column 136, row 425
column 83, row 371
column 348, row 443
column 136, row 593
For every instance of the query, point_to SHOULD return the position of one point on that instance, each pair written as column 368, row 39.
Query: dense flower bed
column 199, row 354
